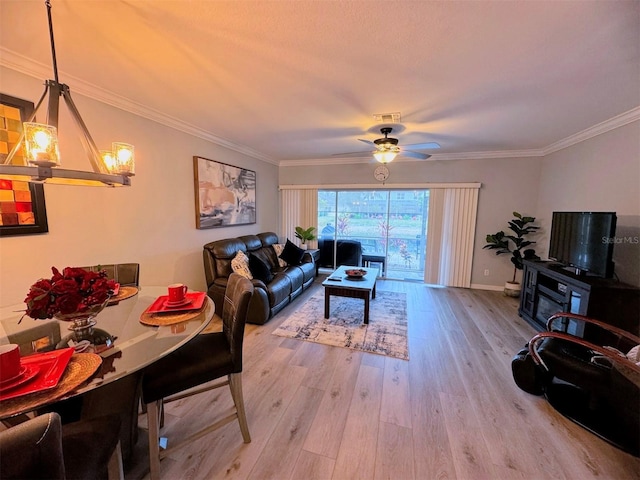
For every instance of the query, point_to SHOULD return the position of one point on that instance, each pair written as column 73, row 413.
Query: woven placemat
column 163, row 319
column 123, row 294
column 80, row 368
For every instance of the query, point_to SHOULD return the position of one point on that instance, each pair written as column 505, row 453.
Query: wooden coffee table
column 340, row 285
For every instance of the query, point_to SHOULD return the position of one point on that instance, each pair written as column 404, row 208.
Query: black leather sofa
column 349, row 253
column 268, row 298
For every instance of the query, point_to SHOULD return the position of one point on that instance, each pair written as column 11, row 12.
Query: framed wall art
column 22, row 206
column 225, row 195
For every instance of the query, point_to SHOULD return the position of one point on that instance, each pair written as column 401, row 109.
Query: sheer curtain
column 452, row 225
column 298, row 207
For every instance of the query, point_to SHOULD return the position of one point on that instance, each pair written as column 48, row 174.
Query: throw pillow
column 634, row 355
column 292, row 254
column 259, row 269
column 240, row 265
column 279, row 247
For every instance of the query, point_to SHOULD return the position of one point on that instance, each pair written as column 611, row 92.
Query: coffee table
column 340, row 285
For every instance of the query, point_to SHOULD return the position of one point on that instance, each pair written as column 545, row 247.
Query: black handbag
column 527, row 375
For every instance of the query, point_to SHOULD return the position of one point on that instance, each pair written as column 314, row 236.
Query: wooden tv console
column 548, row 288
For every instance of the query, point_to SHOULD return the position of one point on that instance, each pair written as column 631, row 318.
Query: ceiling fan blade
column 409, row 153
column 352, row 154
column 369, row 142
column 421, row 146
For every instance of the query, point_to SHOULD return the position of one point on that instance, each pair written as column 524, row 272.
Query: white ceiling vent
column 386, row 117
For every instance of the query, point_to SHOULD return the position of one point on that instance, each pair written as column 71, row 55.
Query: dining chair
column 42, row 448
column 199, row 363
column 126, row 274
column 121, row 397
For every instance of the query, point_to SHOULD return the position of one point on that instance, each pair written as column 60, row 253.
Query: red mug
column 9, row 361
column 177, row 292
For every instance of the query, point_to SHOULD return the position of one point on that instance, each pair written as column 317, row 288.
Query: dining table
column 131, row 333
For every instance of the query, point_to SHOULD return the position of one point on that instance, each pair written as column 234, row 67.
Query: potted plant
column 516, row 246
column 305, row 235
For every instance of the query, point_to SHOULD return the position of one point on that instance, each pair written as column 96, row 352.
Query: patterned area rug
column 386, row 333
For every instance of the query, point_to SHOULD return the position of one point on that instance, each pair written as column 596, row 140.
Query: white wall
column 508, row 184
column 599, row 174
column 152, row 222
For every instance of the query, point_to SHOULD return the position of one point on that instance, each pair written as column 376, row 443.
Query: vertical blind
column 298, row 207
column 452, row 225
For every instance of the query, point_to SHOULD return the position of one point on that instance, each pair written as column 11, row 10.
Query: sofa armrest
column 209, row 269
column 306, row 258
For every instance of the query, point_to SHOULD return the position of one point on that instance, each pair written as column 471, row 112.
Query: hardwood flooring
column 451, row 412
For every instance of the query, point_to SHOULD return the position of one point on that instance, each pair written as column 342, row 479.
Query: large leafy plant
column 305, row 234
column 515, row 244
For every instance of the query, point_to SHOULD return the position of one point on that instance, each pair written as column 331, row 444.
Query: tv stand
column 549, row 288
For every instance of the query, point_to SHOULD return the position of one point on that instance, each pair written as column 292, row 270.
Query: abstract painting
column 225, row 195
column 22, row 207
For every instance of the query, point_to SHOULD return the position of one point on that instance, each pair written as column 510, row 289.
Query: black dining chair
column 204, row 359
column 126, row 274
column 42, row 448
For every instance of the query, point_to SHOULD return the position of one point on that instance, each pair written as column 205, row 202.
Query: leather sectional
column 268, row 298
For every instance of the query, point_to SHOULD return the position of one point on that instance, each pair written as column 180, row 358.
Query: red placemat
column 80, row 368
column 123, row 293
column 174, row 316
column 196, row 300
column 50, row 366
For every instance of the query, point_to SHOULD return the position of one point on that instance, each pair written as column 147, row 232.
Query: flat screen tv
column 584, row 241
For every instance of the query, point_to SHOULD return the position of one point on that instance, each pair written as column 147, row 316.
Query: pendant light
column 41, row 159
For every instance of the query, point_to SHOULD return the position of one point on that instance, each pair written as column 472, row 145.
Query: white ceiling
column 301, row 80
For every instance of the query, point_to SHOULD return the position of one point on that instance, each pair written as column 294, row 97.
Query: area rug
column 386, row 333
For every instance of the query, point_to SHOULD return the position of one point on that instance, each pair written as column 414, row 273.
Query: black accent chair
column 596, row 386
column 205, row 358
column 349, row 252
column 41, row 448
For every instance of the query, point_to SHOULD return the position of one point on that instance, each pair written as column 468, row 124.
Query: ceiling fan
column 387, row 148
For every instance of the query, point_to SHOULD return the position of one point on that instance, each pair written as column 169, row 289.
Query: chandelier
column 41, row 157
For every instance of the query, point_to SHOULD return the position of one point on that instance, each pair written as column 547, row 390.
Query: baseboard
column 494, row 288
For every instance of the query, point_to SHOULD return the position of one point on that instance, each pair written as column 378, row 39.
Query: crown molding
column 625, row 118
column 26, row 66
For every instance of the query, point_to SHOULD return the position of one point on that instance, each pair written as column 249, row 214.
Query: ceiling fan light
column 385, row 157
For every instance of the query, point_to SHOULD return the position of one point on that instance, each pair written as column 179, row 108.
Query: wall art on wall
column 225, row 195
column 22, row 206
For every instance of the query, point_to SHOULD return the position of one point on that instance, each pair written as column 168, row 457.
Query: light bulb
column 124, row 158
column 42, row 139
column 41, row 144
column 108, row 160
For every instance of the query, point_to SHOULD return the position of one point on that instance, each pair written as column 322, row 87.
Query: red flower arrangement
column 75, row 290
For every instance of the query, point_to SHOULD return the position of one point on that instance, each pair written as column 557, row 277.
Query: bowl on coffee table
column 355, row 273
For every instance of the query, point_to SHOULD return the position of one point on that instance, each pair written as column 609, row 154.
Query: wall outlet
column 486, row 272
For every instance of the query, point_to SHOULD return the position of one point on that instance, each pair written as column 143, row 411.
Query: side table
column 367, row 260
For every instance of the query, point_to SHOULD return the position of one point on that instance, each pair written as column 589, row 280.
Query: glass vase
column 82, row 323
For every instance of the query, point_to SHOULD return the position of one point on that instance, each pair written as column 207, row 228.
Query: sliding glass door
column 391, row 226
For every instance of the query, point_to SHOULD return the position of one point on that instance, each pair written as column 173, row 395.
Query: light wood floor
column 451, row 412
